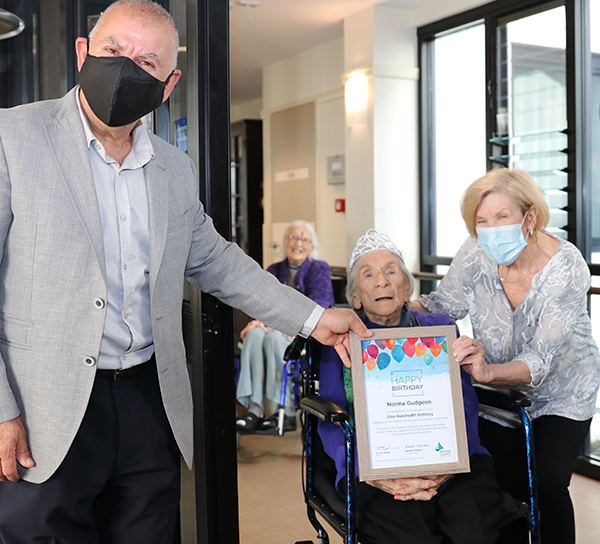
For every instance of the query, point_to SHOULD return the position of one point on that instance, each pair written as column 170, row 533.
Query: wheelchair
column 319, row 471
column 291, row 377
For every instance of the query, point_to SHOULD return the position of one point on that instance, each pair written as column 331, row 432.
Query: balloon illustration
column 445, row 346
column 398, row 353
column 383, row 361
column 372, row 350
column 428, row 341
column 409, row 348
column 420, row 349
column 380, row 343
column 412, row 340
column 365, row 356
column 436, row 348
column 428, row 359
column 390, row 343
column 371, row 363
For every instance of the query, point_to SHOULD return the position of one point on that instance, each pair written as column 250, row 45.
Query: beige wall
column 293, row 177
column 304, row 137
column 384, row 40
column 330, row 142
column 246, row 110
column 309, row 82
column 303, row 77
column 382, row 153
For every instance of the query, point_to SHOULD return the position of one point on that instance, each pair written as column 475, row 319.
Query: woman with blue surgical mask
column 525, row 292
column 502, row 244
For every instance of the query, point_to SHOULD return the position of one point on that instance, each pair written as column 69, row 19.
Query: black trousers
column 119, row 483
column 557, row 442
column 467, row 511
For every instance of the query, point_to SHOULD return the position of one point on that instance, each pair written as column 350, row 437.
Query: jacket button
column 99, row 303
column 89, row 361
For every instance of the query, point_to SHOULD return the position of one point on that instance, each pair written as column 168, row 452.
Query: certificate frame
column 402, row 437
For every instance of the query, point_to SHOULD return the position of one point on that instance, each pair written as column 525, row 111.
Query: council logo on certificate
column 408, row 402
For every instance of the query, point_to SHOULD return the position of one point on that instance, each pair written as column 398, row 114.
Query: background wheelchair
column 319, row 471
column 291, row 377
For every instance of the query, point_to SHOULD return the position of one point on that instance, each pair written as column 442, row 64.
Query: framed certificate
column 408, row 403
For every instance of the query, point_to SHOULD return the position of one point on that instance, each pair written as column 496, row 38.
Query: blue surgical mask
column 502, row 244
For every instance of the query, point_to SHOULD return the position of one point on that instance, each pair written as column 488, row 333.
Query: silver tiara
column 372, row 241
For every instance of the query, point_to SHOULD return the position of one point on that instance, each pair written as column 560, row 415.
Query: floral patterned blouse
column 550, row 331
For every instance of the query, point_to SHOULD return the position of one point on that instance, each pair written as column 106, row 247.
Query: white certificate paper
column 408, row 403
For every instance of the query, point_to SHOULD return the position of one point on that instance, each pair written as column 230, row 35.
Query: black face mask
column 118, row 90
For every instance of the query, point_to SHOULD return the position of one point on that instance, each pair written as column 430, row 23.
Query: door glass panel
column 531, row 106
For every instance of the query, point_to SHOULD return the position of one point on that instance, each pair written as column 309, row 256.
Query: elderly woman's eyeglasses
column 294, row 238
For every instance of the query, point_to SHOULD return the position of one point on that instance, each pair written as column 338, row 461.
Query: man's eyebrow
column 111, row 41
column 145, row 55
column 152, row 56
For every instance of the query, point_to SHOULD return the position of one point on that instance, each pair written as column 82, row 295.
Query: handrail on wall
column 431, row 276
column 340, row 271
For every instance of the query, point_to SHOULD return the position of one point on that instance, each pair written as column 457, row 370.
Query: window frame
column 578, row 92
column 578, row 89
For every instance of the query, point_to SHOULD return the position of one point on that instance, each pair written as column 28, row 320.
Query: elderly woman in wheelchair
column 261, row 360
column 458, row 509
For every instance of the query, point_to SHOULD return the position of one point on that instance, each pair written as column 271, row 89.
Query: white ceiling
column 276, row 29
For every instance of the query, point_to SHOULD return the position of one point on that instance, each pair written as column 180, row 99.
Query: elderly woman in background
column 460, row 509
column 262, row 362
column 525, row 292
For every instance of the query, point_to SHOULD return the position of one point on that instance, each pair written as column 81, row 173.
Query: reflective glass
column 594, row 193
column 593, row 450
column 531, row 105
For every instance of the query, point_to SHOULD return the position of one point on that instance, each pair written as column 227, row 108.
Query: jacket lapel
column 66, row 140
column 157, row 183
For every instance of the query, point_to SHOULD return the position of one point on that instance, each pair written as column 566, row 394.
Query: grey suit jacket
column 52, row 271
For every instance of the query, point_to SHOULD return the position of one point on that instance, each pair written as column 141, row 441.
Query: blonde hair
column 517, row 184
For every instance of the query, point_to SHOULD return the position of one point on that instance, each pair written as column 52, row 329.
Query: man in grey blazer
column 99, row 224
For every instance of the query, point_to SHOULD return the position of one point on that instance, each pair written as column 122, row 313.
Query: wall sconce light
column 356, row 98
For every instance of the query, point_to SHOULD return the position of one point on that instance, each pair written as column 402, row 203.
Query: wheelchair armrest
column 324, row 409
column 501, row 397
column 294, row 350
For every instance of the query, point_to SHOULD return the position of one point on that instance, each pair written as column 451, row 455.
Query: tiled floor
column 586, row 499
column 272, row 509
